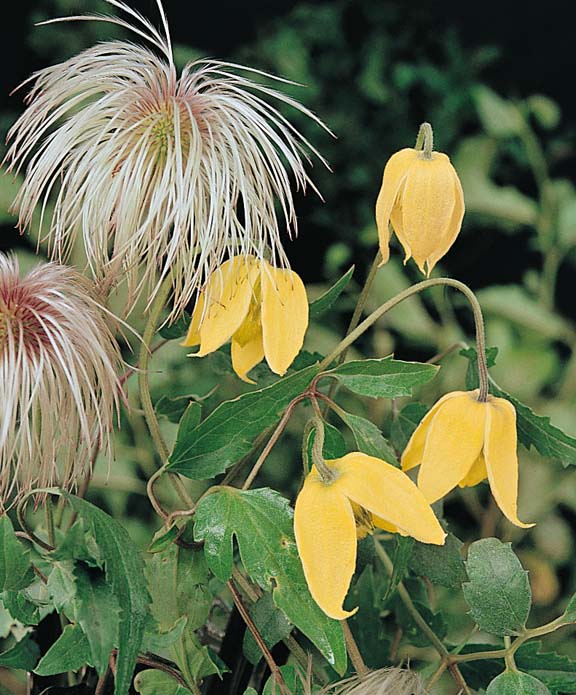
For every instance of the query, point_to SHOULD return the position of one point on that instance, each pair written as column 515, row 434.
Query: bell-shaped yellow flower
column 461, row 441
column 422, row 197
column 263, row 310
column 325, row 524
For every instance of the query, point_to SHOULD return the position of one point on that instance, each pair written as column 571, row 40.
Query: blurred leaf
column 383, row 378
column 473, row 162
column 125, row 574
column 97, row 611
column 154, row 682
column 498, row 592
column 516, row 683
column 272, row 626
column 15, row 569
column 546, row 110
column 176, row 408
column 405, row 423
column 500, row 117
column 23, row 655
column 556, row 671
column 368, row 437
column 441, row 564
column 70, row 652
column 412, row 632
column 324, row 302
column 229, row 432
column 261, row 520
column 178, row 329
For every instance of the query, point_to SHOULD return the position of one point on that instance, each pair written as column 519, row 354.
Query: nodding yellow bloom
column 422, row 197
column 463, row 441
column 263, row 310
column 325, row 521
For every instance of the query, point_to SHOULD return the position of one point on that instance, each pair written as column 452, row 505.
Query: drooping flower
column 159, row 173
column 263, row 310
column 462, row 441
column 422, row 197
column 58, row 378
column 325, row 525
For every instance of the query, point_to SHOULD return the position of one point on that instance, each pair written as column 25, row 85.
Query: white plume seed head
column 159, row 173
column 59, row 388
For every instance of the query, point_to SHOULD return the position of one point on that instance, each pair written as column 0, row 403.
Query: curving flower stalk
column 159, row 173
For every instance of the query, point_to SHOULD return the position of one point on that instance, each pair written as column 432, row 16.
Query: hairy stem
column 353, row 651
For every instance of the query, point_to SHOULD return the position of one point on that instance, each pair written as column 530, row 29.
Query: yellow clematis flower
column 263, row 310
column 422, row 197
column 325, row 524
column 463, row 441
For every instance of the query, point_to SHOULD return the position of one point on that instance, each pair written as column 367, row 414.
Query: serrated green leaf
column 516, row 683
column 70, row 652
column 262, row 522
column 383, row 378
column 175, row 408
column 160, row 642
column 498, row 592
column 155, row 682
column 125, row 573
column 472, row 371
column 61, row 584
column 78, row 544
column 405, row 423
column 441, row 564
column 23, row 655
column 403, row 546
column 228, row 433
column 15, row 569
column 556, row 671
column 368, row 437
column 295, row 682
column 97, row 610
column 21, row 608
column 533, row 430
column 325, row 301
column 272, row 625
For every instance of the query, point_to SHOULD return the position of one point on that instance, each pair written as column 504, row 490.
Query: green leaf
column 403, row 546
column 23, row 655
column 334, row 443
column 569, row 614
column 163, row 539
column 160, row 642
column 272, row 626
column 472, row 381
column 516, row 683
column 175, row 408
column 368, row 437
column 556, row 671
column 262, row 522
column 178, row 329
column 97, row 610
column 188, row 422
column 533, row 430
column 154, row 682
column 405, row 423
column 498, row 592
column 15, row 569
column 294, row 679
column 125, row 574
column 325, row 301
column 229, row 432
column 499, row 116
column 70, row 652
column 383, row 378
column 545, row 109
column 412, row 631
column 441, row 564
column 79, row 544
column 61, row 584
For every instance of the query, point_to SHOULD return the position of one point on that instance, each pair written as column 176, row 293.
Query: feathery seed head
column 159, row 173
column 58, row 378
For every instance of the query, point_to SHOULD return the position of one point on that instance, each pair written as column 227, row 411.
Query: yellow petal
column 394, row 173
column 388, row 493
column 193, row 336
column 414, row 451
column 454, row 442
column 452, row 228
column 381, row 523
column 229, row 291
column 284, row 317
column 325, row 533
column 247, row 355
column 476, row 474
column 428, row 200
column 502, row 458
